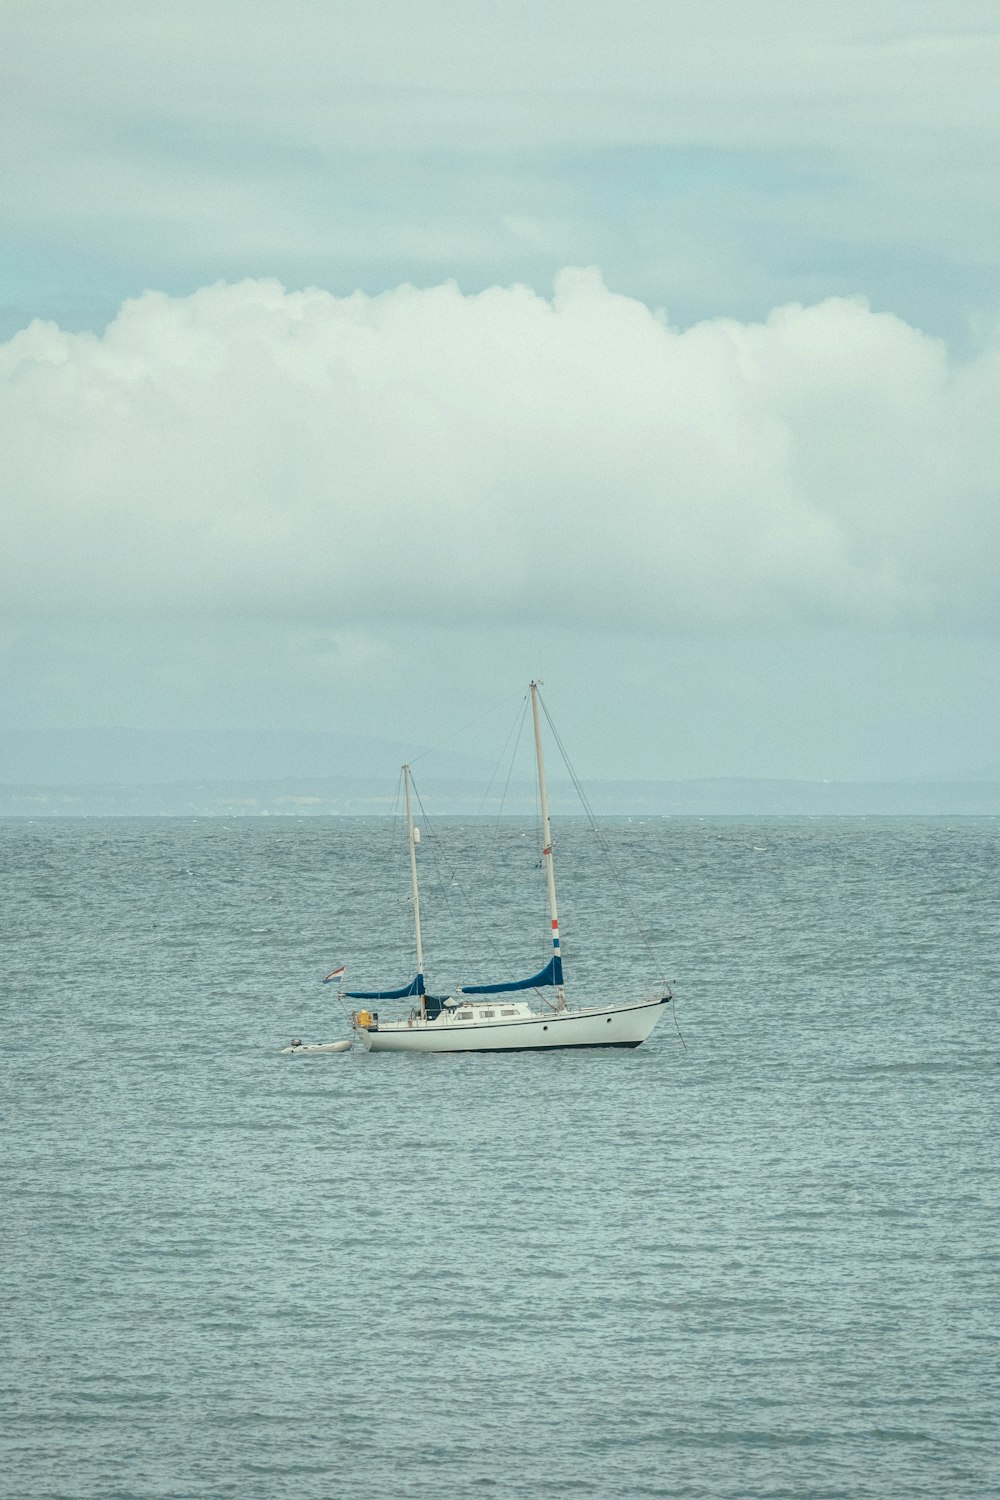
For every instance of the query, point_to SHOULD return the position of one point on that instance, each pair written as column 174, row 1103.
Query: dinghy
column 299, row 1049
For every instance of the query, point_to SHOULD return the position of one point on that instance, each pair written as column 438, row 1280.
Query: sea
column 756, row 1257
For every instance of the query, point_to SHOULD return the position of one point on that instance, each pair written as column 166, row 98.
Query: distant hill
column 147, row 757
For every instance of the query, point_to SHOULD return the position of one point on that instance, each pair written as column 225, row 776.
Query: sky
column 358, row 364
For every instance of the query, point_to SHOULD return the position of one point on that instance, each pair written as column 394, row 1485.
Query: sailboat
column 467, row 1022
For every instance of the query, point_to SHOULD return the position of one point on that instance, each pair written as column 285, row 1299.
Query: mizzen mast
column 413, row 839
column 550, row 874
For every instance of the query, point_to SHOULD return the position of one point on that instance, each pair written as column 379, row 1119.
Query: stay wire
column 494, row 843
column 445, row 878
column 623, row 888
column 446, row 874
column 473, row 915
column 391, row 895
column 432, row 749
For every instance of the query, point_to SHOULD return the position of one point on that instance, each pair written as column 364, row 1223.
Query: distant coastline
column 352, row 796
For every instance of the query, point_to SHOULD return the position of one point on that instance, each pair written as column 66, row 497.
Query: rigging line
column 390, row 900
column 654, row 956
column 489, row 861
column 485, row 866
column 341, row 1003
column 446, row 877
column 492, row 846
column 389, row 945
column 677, row 1028
column 443, row 876
column 462, row 729
column 517, row 725
column 398, row 887
column 489, row 786
column 471, row 922
column 539, row 843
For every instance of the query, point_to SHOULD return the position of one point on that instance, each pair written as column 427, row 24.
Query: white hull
column 297, row 1048
column 607, row 1026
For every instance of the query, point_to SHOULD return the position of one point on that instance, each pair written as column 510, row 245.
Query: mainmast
column 413, row 839
column 550, row 875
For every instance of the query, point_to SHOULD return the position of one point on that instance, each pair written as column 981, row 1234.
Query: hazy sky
column 361, row 362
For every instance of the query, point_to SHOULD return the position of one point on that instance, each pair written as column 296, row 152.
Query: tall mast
column 412, row 837
column 550, row 874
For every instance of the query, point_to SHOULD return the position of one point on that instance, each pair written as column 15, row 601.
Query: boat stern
column 365, row 1023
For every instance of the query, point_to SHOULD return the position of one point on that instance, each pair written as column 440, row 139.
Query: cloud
column 429, row 70
column 419, row 139
column 248, row 452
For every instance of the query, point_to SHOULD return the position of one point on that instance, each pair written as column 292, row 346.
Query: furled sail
column 415, row 987
column 552, row 974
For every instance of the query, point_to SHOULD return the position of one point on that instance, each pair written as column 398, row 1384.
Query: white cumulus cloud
column 252, row 451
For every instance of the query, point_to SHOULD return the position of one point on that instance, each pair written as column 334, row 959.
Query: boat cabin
column 483, row 1010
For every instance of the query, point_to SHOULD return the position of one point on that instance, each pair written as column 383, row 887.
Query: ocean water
column 757, row 1257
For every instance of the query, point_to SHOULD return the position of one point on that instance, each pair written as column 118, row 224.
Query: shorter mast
column 412, row 837
column 550, row 875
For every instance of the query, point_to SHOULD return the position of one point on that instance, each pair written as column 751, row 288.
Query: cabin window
column 464, row 1015
column 508, row 1012
column 488, row 1015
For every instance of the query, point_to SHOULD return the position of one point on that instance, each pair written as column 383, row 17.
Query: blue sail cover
column 415, row 987
column 552, row 974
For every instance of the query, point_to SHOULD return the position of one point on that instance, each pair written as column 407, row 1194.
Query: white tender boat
column 501, row 1023
column 297, row 1049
